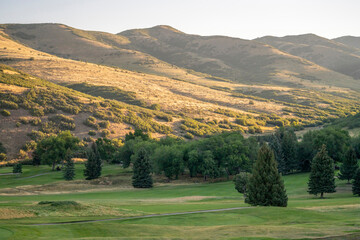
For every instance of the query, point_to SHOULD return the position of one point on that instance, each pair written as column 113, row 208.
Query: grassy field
column 305, row 217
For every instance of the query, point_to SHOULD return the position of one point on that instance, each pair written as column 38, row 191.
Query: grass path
column 144, row 216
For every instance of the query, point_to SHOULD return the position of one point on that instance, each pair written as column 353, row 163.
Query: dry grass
column 8, row 213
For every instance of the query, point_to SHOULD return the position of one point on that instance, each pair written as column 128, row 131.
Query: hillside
column 350, row 41
column 165, row 51
column 233, row 58
column 327, row 53
column 188, row 105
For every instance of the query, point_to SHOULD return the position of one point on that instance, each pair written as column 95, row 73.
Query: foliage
column 91, row 122
column 17, row 168
column 3, row 157
column 241, row 181
column 168, row 159
column 349, row 166
column 93, row 165
column 141, row 171
column 5, row 113
column 266, row 187
column 52, row 150
column 322, row 177
column 69, row 171
column 356, row 183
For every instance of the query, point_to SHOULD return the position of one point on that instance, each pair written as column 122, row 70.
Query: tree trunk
column 53, row 166
column 322, row 195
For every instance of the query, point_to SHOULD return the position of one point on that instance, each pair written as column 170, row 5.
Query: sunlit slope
column 325, row 52
column 90, row 46
column 203, row 97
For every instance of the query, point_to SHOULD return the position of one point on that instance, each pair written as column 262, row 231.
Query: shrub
column 3, row 157
column 105, row 133
column 17, row 168
column 189, row 135
column 92, row 133
column 5, row 113
column 8, row 104
column 91, row 122
column 104, row 124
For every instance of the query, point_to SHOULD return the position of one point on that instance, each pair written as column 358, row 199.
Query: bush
column 92, row 133
column 189, row 135
column 5, row 113
column 105, row 133
column 17, row 168
column 104, row 124
column 91, row 122
column 8, row 104
column 3, row 157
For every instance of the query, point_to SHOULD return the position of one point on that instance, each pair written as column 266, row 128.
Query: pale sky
column 246, row 19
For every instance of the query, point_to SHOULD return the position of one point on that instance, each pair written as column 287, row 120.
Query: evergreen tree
column 349, row 166
column 322, row 178
column 288, row 146
column 266, row 187
column 356, row 183
column 275, row 144
column 141, row 168
column 69, row 171
column 17, row 168
column 93, row 164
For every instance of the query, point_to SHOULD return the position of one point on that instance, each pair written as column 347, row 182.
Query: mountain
column 165, row 51
column 350, row 41
column 236, row 59
column 324, row 52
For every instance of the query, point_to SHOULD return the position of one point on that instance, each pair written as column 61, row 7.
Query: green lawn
column 305, row 217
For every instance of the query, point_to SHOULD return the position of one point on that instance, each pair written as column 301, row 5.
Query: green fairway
column 306, row 216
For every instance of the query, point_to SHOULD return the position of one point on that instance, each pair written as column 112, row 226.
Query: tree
column 17, row 168
column 69, row 171
column 266, row 187
column 168, row 159
column 93, row 165
column 275, row 144
column 288, row 147
column 322, row 177
column 241, row 181
column 142, row 168
column 356, row 183
column 52, row 150
column 349, row 166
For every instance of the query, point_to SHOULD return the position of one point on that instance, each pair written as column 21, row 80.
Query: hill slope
column 328, row 53
column 236, row 59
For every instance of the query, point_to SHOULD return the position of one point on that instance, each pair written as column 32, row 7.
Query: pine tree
column 266, row 187
column 288, row 146
column 275, row 144
column 356, row 183
column 322, row 177
column 141, row 167
column 17, row 168
column 93, row 164
column 69, row 171
column 349, row 166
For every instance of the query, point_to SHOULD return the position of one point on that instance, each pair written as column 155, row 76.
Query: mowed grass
column 305, row 217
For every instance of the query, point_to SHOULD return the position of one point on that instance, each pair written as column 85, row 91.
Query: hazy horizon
column 242, row 19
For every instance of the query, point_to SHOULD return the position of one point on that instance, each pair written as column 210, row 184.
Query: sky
column 246, row 19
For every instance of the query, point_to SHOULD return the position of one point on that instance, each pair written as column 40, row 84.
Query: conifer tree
column 266, row 187
column 141, row 171
column 275, row 144
column 69, row 171
column 322, row 177
column 93, row 164
column 349, row 166
column 356, row 183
